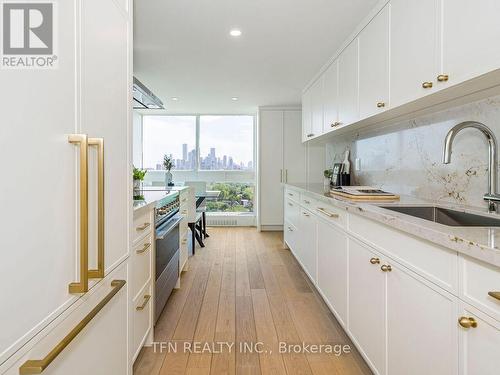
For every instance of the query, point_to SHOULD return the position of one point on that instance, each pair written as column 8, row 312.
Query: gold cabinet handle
column 375, row 261
column 143, row 227
column 442, row 77
column 184, row 212
column 144, row 248
column 286, row 175
column 99, row 272
column 325, row 212
column 306, row 201
column 37, row 366
column 82, row 286
column 380, row 105
column 305, row 214
column 335, row 124
column 467, row 322
column 291, row 205
column 427, row 85
column 185, row 199
column 290, row 194
column 290, row 229
column 386, row 268
column 184, row 241
column 495, row 295
column 147, row 297
column 310, row 135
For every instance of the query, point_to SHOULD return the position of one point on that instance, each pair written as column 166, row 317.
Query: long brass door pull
column 82, row 286
column 99, row 272
column 144, row 303
column 37, row 366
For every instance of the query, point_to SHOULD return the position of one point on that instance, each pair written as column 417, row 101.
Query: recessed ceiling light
column 235, row 32
column 175, row 98
column 234, row 98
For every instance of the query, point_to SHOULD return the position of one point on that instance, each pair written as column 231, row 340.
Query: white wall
column 137, row 139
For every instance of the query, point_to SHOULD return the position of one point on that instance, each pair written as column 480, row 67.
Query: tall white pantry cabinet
column 66, row 198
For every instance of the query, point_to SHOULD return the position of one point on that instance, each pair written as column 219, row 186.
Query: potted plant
column 139, row 175
column 168, row 163
column 328, row 174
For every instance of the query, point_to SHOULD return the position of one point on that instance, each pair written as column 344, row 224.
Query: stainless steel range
column 167, row 221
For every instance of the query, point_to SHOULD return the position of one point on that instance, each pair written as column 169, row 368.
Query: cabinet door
column 40, row 194
column 470, row 32
column 106, row 116
column 367, row 313
column 271, row 167
column 348, row 84
column 332, row 268
column 306, row 115
column 308, row 247
column 331, row 96
column 374, row 65
column 317, row 108
column 479, row 346
column 415, row 56
column 421, row 326
column 294, row 152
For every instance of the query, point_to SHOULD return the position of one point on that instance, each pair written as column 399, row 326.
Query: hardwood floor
column 244, row 287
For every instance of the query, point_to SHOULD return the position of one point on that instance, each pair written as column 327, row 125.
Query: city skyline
column 209, row 162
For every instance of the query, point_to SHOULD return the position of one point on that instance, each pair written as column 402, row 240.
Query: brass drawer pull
column 147, row 297
column 427, row 85
column 143, row 227
column 325, row 212
column 146, row 246
column 467, row 322
column 37, row 366
column 335, row 124
column 305, row 214
column 306, row 201
column 375, row 261
column 291, row 205
column 495, row 295
column 386, row 268
column 310, row 135
column 380, row 105
column 290, row 229
column 184, row 241
column 290, row 194
column 442, row 77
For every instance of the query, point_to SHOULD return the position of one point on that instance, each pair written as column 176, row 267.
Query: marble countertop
column 477, row 242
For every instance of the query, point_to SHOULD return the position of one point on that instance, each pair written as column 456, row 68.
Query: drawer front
column 477, row 281
column 292, row 211
column 183, row 256
column 143, row 224
column 331, row 214
column 308, row 202
column 141, row 263
column 142, row 318
column 103, row 340
column 437, row 264
column 291, row 236
column 292, row 194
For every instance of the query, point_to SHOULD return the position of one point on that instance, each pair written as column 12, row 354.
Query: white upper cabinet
column 374, row 65
column 317, row 108
column 331, row 97
column 349, row 85
column 306, row 115
column 471, row 31
column 415, row 49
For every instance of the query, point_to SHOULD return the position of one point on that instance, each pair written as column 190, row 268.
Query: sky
column 230, row 135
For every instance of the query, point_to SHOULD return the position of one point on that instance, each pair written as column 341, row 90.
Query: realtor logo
column 28, row 35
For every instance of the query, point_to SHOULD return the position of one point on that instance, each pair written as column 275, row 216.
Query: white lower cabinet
column 422, row 336
column 142, row 320
column 367, row 308
column 402, row 321
column 308, row 255
column 480, row 344
column 100, row 348
column 332, row 268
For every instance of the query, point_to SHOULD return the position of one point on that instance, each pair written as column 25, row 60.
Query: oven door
column 167, row 262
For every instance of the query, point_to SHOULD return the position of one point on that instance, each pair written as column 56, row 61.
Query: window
column 170, row 135
column 226, row 143
column 216, row 149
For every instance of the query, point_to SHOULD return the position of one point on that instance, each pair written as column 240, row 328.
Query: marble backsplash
column 406, row 157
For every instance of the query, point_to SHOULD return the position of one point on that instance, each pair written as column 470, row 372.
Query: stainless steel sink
column 446, row 216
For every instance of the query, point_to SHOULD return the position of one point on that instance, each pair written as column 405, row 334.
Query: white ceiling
column 182, row 48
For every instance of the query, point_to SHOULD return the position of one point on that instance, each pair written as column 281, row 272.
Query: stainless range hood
column 144, row 98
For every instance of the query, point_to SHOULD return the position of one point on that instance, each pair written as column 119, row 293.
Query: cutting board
column 353, row 197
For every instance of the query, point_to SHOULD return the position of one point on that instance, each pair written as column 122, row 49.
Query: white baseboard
column 271, row 228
